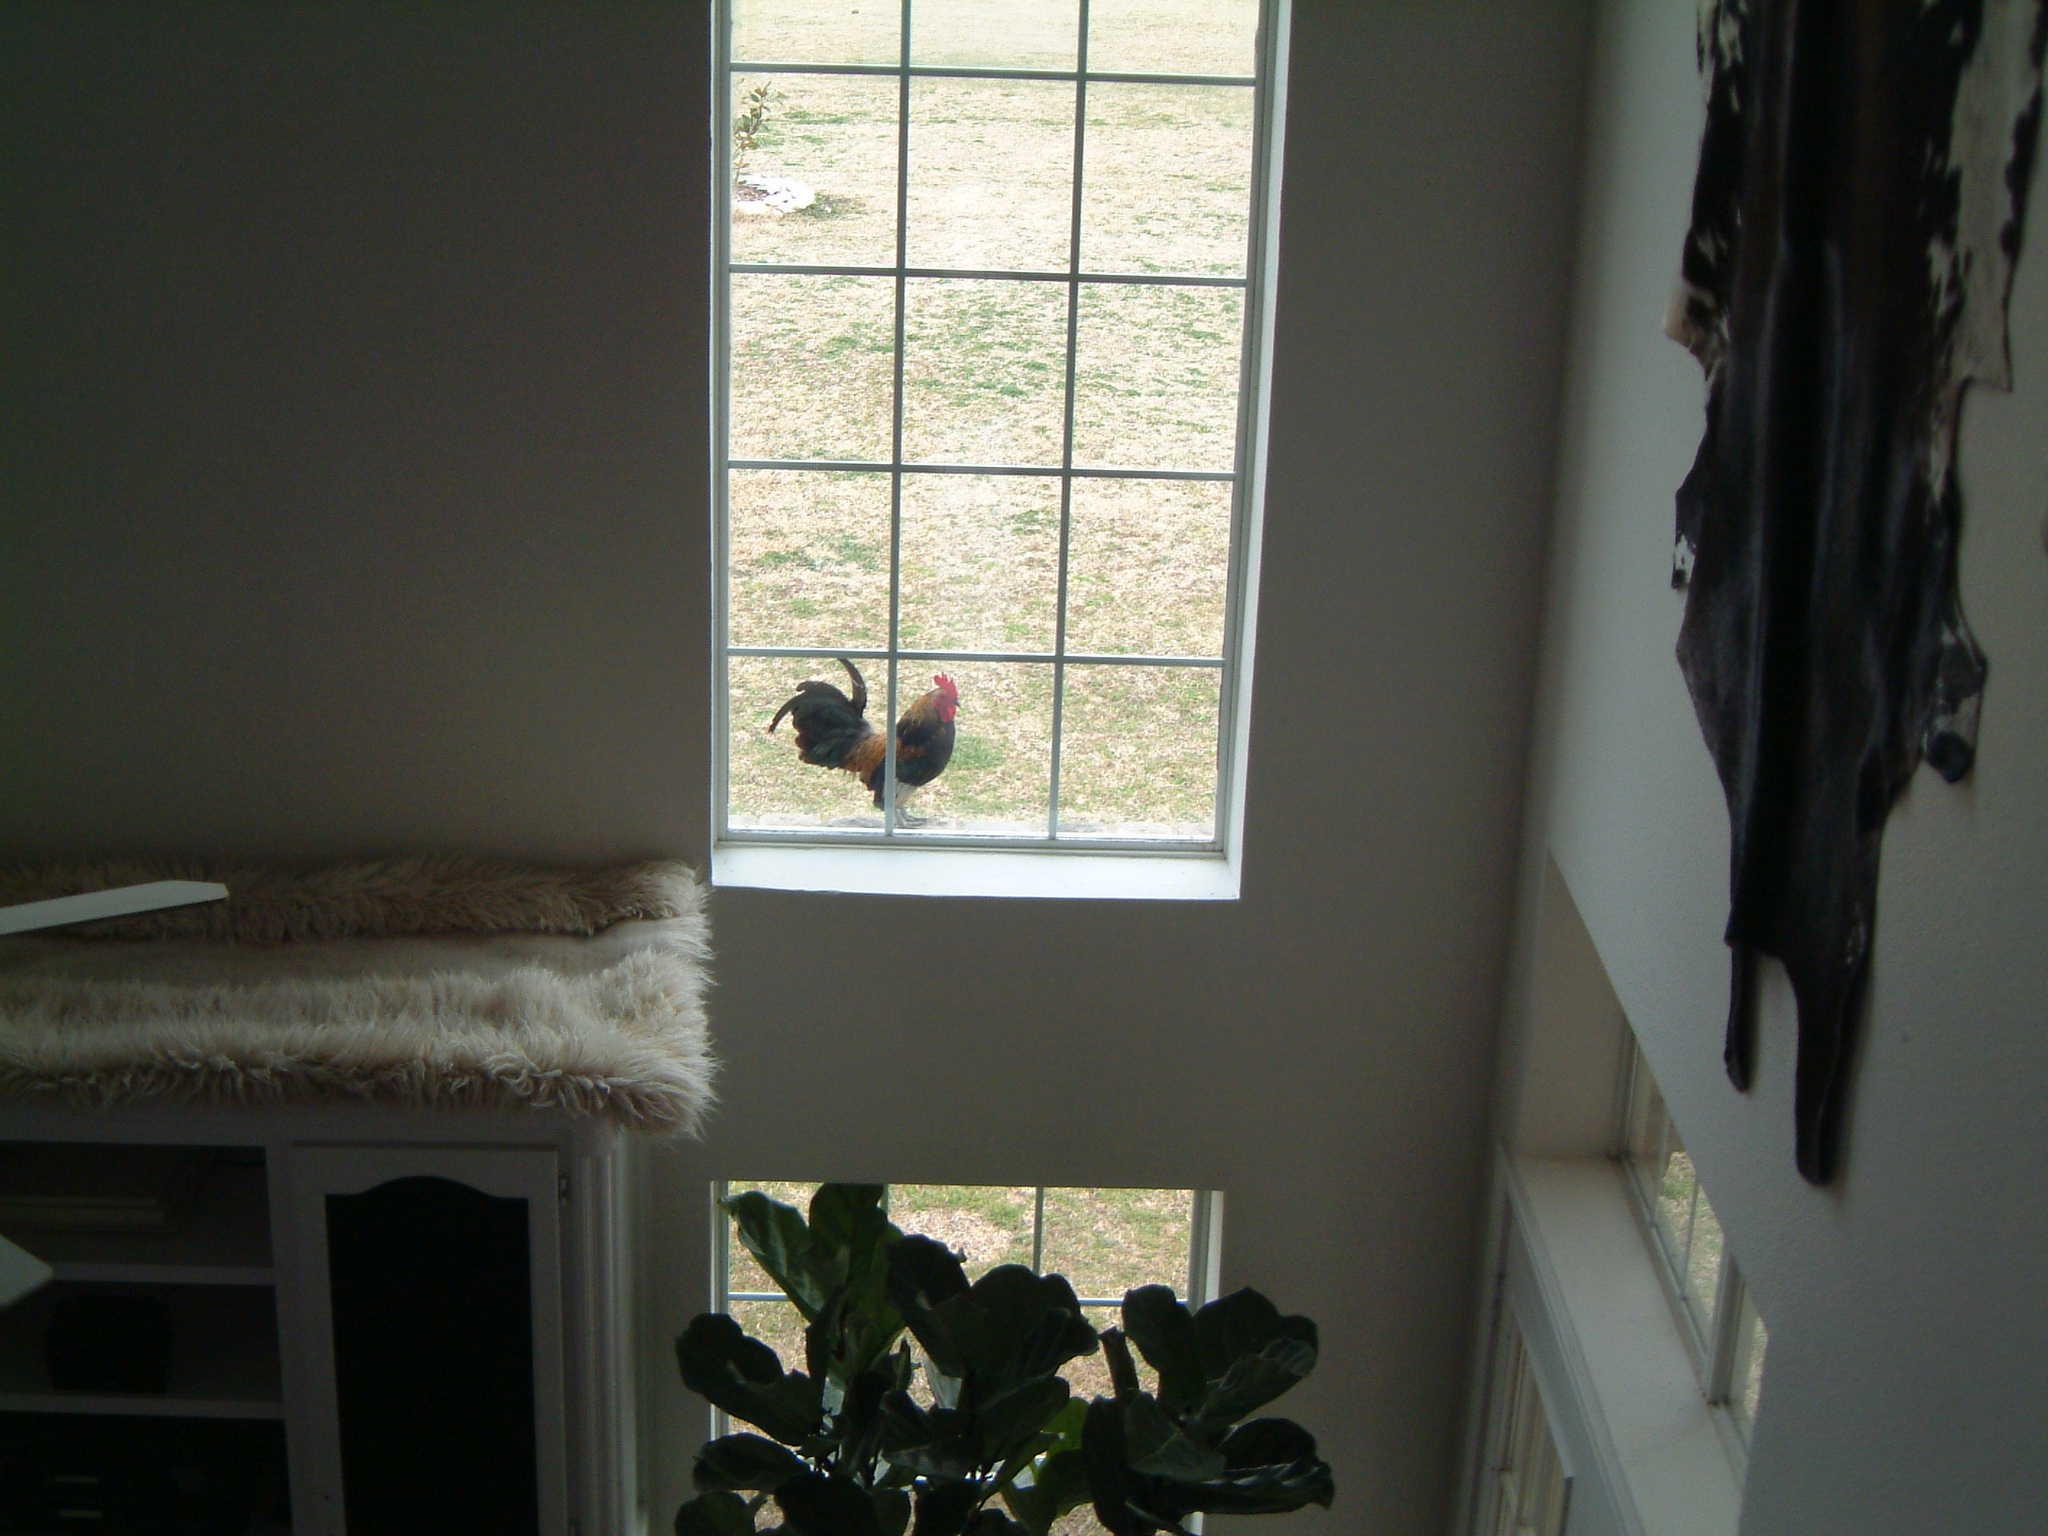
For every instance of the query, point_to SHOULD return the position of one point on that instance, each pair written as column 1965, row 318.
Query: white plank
column 118, row 902
column 20, row 1272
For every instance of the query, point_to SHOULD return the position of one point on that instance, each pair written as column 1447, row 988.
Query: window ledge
column 1630, row 1369
column 1025, row 872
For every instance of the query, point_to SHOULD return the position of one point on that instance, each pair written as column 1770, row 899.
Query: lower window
column 1105, row 1241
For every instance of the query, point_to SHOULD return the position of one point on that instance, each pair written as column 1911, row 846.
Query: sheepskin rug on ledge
column 436, row 981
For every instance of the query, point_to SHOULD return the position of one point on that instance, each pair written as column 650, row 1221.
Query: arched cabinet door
column 430, row 1282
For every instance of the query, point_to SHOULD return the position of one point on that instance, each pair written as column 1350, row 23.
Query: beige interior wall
column 356, row 501
column 1904, row 1390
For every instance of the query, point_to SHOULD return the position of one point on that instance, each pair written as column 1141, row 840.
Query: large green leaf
column 853, row 1331
column 1231, row 1326
column 745, row 1463
column 892, row 1510
column 744, row 1377
column 1010, row 1326
column 776, row 1235
column 1268, row 1466
column 849, row 1223
column 859, row 1428
column 1060, row 1432
column 1269, row 1491
column 1267, row 1443
column 1057, row 1483
column 1160, row 1325
column 905, row 1423
column 1250, row 1355
column 1033, row 1324
column 959, row 1443
column 992, row 1522
column 943, row 1508
column 1015, row 1421
column 715, row 1514
column 818, row 1505
column 1155, row 1446
column 924, row 1276
column 1273, row 1467
column 850, row 1237
column 949, row 1451
column 1110, row 1483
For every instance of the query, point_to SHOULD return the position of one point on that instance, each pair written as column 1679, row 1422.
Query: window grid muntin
column 1240, row 477
column 897, row 389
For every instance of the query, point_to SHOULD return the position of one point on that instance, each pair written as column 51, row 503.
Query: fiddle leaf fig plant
column 1153, row 1459
column 996, row 1444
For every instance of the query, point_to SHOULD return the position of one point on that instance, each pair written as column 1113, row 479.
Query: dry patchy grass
column 1165, row 190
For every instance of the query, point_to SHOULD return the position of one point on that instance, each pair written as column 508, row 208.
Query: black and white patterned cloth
column 1856, row 219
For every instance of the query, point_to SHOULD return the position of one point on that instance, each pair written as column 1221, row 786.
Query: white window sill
column 1021, row 872
column 1660, row 1448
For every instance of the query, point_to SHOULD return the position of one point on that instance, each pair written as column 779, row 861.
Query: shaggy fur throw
column 432, row 982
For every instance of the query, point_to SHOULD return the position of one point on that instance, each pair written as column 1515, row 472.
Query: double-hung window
column 989, row 333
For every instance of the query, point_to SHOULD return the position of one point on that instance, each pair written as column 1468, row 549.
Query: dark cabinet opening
column 433, row 1356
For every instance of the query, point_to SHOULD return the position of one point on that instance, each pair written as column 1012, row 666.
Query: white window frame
column 1567, row 1258
column 753, row 856
column 1529, row 1489
column 1721, row 1344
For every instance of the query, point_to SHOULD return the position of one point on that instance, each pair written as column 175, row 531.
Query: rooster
column 832, row 731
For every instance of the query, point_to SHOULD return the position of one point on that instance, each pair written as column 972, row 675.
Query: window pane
column 1676, row 1190
column 996, row 34
column 1148, row 566
column 999, row 782
column 980, row 562
column 1746, row 1384
column 1108, row 1241
column 808, row 554
column 804, row 32
column 991, row 174
column 987, row 1224
column 1646, row 1129
column 1138, row 755
column 984, row 380
column 770, row 786
column 1643, row 1134
column 1182, row 37
column 1157, row 381
column 1168, row 184
column 831, row 138
column 1702, row 1275
column 812, row 367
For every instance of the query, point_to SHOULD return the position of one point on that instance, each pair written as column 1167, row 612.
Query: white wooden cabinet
column 428, row 1310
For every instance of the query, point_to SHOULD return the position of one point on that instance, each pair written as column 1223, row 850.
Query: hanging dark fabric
column 1856, row 217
